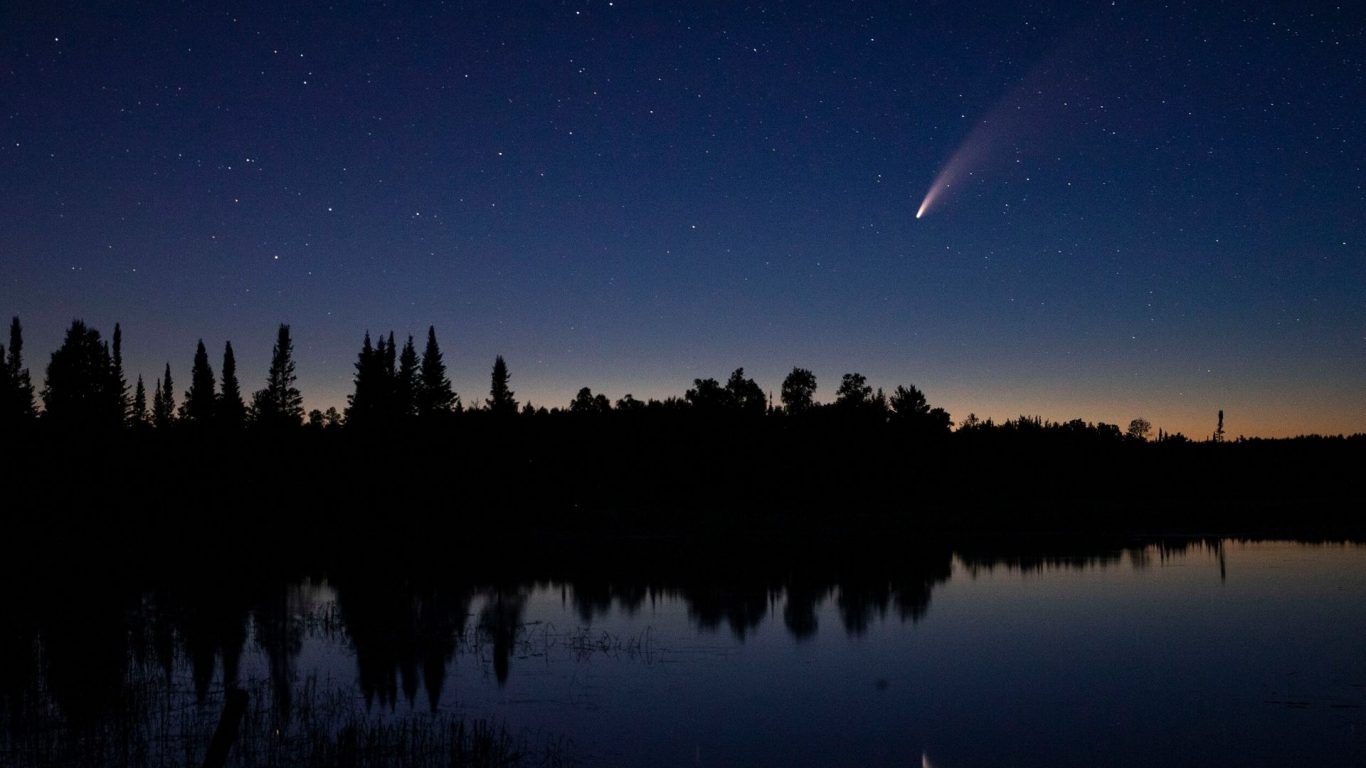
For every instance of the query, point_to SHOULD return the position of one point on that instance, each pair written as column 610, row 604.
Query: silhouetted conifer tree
column 198, row 408
column 158, row 402
column 406, row 383
column 388, row 375
column 390, row 372
column 374, row 402
column 799, row 391
column 8, row 390
column 16, row 388
column 280, row 404
column 365, row 405
column 231, row 411
column 78, row 391
column 434, row 395
column 138, row 417
column 118, row 384
column 163, row 401
column 500, row 396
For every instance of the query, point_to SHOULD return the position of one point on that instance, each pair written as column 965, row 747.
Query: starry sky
column 1136, row 209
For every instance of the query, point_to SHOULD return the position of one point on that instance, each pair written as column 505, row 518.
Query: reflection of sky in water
column 1148, row 660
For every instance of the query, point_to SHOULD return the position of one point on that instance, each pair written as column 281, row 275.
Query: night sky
column 1138, row 209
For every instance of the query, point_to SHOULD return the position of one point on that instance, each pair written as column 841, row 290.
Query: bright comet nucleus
column 932, row 192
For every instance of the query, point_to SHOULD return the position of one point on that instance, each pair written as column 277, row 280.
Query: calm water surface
column 1218, row 653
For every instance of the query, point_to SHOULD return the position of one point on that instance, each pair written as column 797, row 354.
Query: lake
column 1165, row 652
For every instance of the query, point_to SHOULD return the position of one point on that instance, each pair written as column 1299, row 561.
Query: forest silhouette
column 408, row 455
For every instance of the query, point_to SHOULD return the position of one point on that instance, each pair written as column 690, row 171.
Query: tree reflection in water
column 84, row 654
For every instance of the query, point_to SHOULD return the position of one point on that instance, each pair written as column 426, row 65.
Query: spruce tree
column 138, row 417
column 110, row 414
column 389, row 375
column 158, row 402
column 8, row 393
column 360, row 404
column 163, row 401
column 406, row 383
column 377, row 403
column 14, row 360
column 198, row 408
column 117, row 383
column 16, row 388
column 500, row 396
column 434, row 395
column 280, row 404
column 77, row 392
column 231, row 411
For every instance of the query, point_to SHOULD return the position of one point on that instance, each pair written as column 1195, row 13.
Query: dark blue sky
column 1157, row 210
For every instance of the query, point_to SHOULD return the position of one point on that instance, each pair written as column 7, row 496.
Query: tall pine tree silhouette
column 500, row 396
column 231, row 411
column 16, row 388
column 163, row 401
column 117, row 383
column 138, row 416
column 363, row 404
column 198, row 408
column 158, row 403
column 280, row 404
column 388, row 353
column 434, row 395
column 406, row 383
column 8, row 390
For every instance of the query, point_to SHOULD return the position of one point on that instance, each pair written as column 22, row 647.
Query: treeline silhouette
column 98, row 461
column 86, row 388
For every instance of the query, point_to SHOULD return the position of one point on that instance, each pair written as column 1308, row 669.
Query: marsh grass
column 585, row 643
column 161, row 726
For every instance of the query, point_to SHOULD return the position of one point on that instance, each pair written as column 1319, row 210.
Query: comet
column 1018, row 120
column 967, row 158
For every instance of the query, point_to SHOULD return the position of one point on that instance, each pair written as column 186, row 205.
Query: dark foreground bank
column 331, row 488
